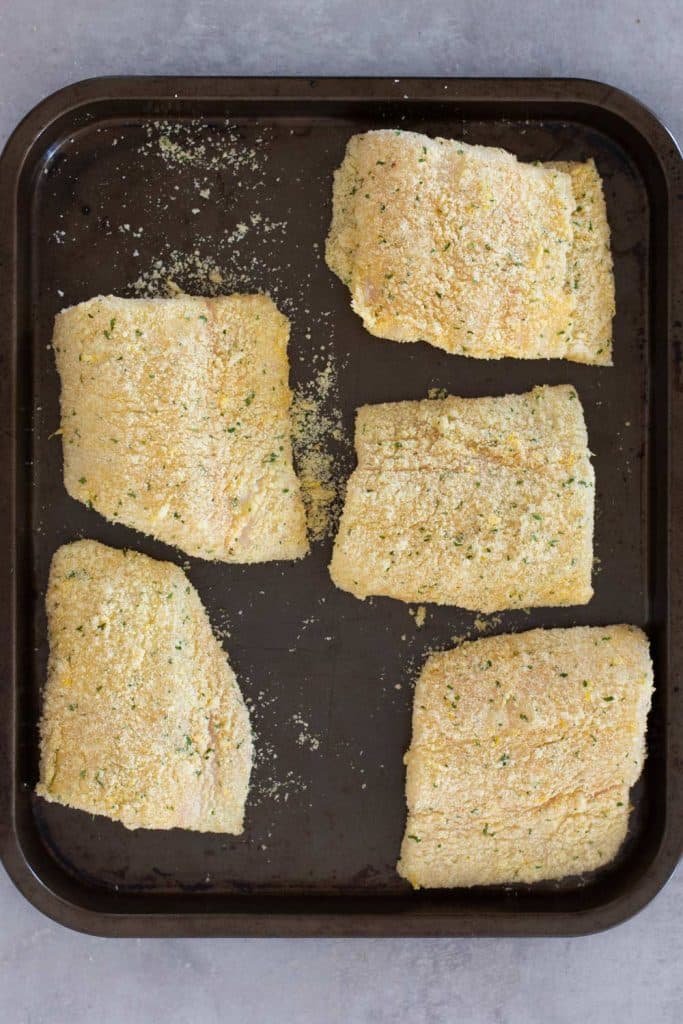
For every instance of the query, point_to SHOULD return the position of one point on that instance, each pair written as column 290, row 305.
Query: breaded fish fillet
column 143, row 720
column 175, row 421
column 472, row 251
column 523, row 752
column 485, row 503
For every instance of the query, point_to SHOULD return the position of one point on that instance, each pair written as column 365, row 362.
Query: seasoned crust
column 523, row 752
column 175, row 421
column 470, row 250
column 590, row 270
column 143, row 720
column 484, row 503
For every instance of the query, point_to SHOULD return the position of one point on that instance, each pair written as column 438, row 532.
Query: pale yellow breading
column 485, row 503
column 143, row 720
column 469, row 249
column 523, row 752
column 591, row 276
column 175, row 421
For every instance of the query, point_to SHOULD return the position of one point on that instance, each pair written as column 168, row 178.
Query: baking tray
column 92, row 200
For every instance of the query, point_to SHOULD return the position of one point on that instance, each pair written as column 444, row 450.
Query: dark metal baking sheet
column 329, row 676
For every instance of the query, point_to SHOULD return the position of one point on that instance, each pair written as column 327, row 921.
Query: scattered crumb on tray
column 486, row 624
column 200, row 275
column 189, row 144
column 419, row 614
column 268, row 783
column 314, row 423
column 305, row 738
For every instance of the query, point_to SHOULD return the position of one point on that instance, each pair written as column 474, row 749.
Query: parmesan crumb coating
column 143, row 720
column 484, row 503
column 590, row 272
column 175, row 421
column 472, row 251
column 523, row 752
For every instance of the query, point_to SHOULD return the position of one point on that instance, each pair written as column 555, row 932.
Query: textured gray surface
column 631, row 974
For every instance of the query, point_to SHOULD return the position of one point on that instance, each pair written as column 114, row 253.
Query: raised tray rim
column 169, row 93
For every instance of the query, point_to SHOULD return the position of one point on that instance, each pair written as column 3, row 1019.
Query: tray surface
column 134, row 182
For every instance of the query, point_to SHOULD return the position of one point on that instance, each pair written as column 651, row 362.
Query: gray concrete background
column 629, row 975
